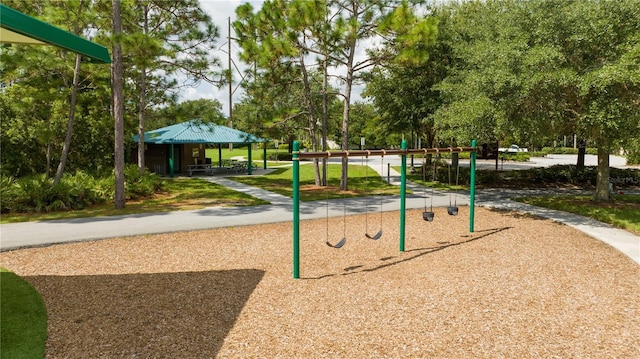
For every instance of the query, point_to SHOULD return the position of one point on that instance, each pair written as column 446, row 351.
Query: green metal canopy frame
column 19, row 28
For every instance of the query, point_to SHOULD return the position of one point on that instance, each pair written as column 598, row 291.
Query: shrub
column 281, row 156
column 487, row 177
column 516, row 156
column 568, row 150
column 37, row 193
column 73, row 192
column 9, row 193
column 138, row 185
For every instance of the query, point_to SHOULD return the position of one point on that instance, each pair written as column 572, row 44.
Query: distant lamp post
column 276, row 143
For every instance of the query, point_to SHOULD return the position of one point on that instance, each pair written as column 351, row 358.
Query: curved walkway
column 30, row 234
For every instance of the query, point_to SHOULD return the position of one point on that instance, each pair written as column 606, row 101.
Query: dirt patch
column 516, row 287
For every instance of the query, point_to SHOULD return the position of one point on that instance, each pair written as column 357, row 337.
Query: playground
column 518, row 286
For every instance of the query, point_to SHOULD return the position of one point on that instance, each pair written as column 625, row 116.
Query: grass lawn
column 443, row 186
column 23, row 318
column 622, row 212
column 242, row 151
column 179, row 194
column 361, row 182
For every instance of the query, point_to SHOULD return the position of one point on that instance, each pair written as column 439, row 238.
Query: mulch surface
column 518, row 287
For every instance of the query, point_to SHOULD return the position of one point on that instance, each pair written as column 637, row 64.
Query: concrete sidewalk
column 30, row 234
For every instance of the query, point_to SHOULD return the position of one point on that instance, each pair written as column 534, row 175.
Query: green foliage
column 279, row 156
column 37, row 194
column 23, row 318
column 633, row 156
column 209, row 111
column 528, row 70
column 36, row 80
column 567, row 151
column 139, row 185
column 558, row 175
column 516, row 156
column 77, row 191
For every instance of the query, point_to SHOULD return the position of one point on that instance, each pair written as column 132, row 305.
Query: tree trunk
column 324, row 120
column 72, row 114
column 118, row 107
column 497, row 155
column 48, row 156
column 602, row 184
column 142, row 104
column 582, row 151
column 344, row 185
column 142, row 98
column 312, row 124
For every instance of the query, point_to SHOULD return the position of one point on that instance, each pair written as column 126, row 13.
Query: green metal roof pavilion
column 195, row 131
column 19, row 28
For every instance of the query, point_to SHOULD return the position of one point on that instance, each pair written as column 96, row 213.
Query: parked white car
column 513, row 149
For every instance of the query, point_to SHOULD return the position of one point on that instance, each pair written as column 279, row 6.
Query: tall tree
column 164, row 39
column 528, row 69
column 77, row 9
column 277, row 38
column 52, row 73
column 332, row 30
column 206, row 110
column 118, row 106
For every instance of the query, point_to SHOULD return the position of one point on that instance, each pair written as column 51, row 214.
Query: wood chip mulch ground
column 518, row 287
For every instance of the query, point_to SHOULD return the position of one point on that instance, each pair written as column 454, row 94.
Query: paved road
column 548, row 161
column 20, row 235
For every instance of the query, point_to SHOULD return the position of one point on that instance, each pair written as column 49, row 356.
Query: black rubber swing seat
column 339, row 244
column 453, row 211
column 375, row 236
column 428, row 216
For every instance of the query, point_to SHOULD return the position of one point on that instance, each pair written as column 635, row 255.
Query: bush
column 567, row 150
column 139, row 185
column 554, row 175
column 74, row 192
column 537, row 154
column 281, row 156
column 516, row 156
column 37, row 193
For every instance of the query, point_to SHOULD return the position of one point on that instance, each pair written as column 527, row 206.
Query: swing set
column 403, row 152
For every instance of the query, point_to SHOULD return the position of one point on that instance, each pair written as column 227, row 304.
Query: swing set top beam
column 367, row 153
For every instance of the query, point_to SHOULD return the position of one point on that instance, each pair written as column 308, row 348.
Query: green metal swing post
column 296, row 209
column 403, row 192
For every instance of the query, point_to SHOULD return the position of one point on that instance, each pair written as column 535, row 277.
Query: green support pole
column 403, row 197
column 264, row 155
column 219, row 154
column 250, row 167
column 472, row 187
column 171, row 162
column 296, row 209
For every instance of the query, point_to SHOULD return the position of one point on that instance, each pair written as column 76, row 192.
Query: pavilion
column 180, row 147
